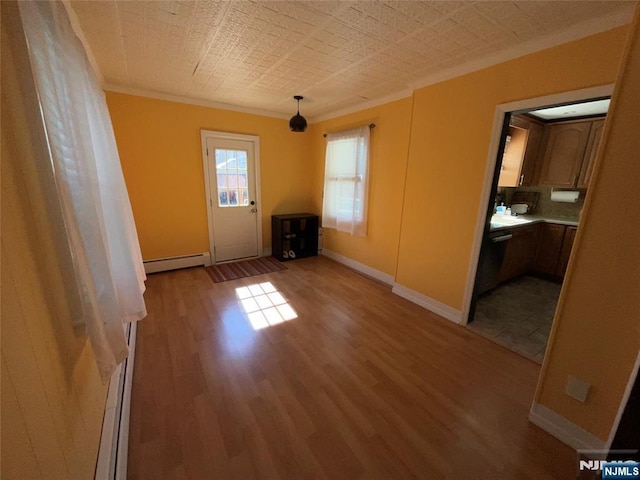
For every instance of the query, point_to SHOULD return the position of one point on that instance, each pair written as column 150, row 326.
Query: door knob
column 253, row 210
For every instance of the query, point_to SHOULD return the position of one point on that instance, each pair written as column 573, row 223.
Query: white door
column 232, row 196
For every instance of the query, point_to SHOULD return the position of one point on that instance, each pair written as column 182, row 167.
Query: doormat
column 246, row 268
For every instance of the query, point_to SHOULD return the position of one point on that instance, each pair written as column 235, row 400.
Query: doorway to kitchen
column 544, row 153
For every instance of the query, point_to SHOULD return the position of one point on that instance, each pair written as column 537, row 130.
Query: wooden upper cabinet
column 521, row 153
column 512, row 159
column 531, row 153
column 592, row 150
column 564, row 153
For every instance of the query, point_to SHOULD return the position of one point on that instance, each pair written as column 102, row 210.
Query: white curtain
column 107, row 264
column 346, row 181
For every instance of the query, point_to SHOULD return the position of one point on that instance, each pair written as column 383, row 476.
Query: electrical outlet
column 578, row 389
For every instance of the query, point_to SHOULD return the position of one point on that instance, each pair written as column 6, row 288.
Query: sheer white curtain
column 107, row 264
column 346, row 181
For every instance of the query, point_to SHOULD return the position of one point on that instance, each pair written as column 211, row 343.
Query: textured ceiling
column 338, row 54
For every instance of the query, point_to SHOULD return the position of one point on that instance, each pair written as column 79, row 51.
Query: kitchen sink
column 508, row 220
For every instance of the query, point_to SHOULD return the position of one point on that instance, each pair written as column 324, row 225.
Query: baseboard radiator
column 114, row 441
column 173, row 263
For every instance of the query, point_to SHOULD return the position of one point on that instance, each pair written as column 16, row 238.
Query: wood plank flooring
column 361, row 384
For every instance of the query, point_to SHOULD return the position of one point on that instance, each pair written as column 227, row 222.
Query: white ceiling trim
column 192, row 101
column 364, row 106
column 582, row 30
column 138, row 92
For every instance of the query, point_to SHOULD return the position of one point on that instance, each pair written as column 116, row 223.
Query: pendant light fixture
column 298, row 122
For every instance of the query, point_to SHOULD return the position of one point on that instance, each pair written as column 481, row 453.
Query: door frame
column 492, row 159
column 217, row 135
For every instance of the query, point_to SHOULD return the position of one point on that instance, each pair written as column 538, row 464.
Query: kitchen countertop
column 503, row 222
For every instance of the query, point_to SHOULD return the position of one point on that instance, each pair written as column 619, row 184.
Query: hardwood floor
column 361, row 384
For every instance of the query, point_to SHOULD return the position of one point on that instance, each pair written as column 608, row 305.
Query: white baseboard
column 109, row 437
column 266, row 252
column 114, row 441
column 360, row 267
column 173, row 263
column 429, row 303
column 563, row 429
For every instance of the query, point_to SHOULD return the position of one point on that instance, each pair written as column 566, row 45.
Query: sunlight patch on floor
column 264, row 305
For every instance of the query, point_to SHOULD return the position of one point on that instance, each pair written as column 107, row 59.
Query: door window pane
column 242, row 179
column 244, row 197
column 222, row 180
column 242, row 160
column 223, row 198
column 231, row 174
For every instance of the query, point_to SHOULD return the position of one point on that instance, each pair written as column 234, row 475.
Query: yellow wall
column 447, row 154
column 388, row 156
column 596, row 336
column 160, row 150
column 159, row 145
column 450, row 136
column 52, row 397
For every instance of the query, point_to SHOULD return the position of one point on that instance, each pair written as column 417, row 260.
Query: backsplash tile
column 545, row 205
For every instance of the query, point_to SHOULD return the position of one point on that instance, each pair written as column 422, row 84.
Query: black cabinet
column 294, row 235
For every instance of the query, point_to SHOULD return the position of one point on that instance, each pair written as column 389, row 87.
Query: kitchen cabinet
column 565, row 251
column 512, row 157
column 520, row 252
column 521, row 153
column 569, row 151
column 595, row 136
column 539, row 248
column 549, row 248
column 564, row 152
column 295, row 233
column 529, row 162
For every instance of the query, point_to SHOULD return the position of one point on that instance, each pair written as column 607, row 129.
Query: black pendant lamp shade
column 298, row 122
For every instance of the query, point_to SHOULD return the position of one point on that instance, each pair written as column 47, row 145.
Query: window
column 231, row 171
column 346, row 178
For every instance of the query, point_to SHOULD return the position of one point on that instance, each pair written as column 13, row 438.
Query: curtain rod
column 371, row 125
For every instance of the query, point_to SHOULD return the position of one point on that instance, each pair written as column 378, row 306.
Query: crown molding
column 576, row 32
column 139, row 92
column 364, row 106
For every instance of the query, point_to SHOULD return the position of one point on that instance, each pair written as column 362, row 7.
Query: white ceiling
column 597, row 107
column 340, row 55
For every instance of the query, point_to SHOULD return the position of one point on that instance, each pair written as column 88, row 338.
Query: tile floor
column 518, row 315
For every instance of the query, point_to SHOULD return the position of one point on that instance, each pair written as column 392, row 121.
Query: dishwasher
column 494, row 245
